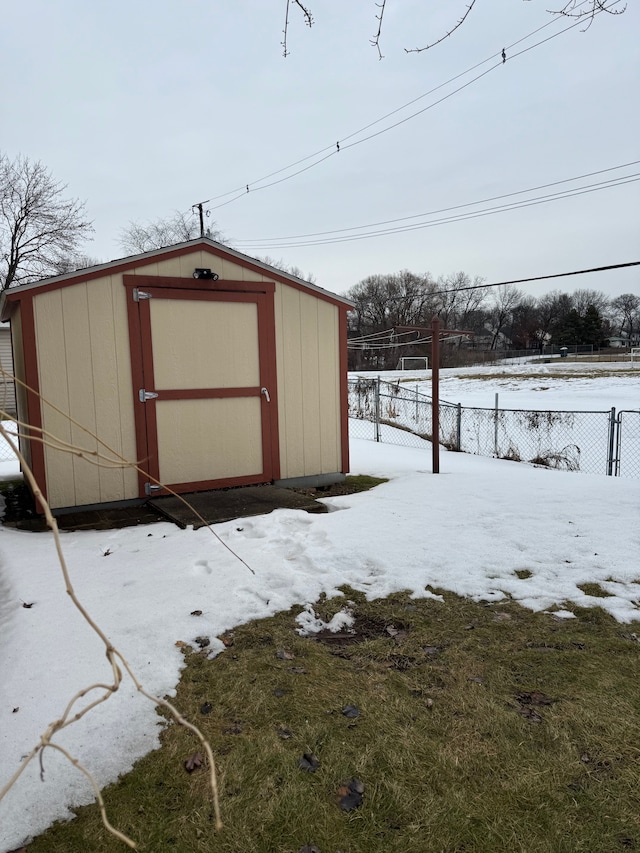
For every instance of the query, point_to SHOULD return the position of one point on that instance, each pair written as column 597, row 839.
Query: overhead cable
column 336, row 148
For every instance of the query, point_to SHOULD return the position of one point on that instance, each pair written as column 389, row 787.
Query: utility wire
column 515, row 281
column 536, row 278
column 332, row 150
column 462, row 217
column 274, row 240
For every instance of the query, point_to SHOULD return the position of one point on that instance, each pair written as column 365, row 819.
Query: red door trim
column 198, row 285
column 141, row 348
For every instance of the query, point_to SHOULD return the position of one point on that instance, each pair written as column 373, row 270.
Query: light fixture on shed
column 205, row 272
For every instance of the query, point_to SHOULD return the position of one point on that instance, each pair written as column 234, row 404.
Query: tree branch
column 446, row 36
column 375, row 41
column 571, row 10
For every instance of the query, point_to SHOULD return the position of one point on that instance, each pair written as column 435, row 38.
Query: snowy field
column 468, row 530
column 563, row 386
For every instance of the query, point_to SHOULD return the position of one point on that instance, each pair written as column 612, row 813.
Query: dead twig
column 446, row 35
column 113, row 656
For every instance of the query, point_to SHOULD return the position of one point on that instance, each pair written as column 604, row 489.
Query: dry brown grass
column 482, row 727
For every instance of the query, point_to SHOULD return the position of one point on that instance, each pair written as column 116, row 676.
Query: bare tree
column 461, row 300
column 505, row 300
column 75, row 262
column 626, row 313
column 138, row 238
column 583, row 297
column 39, row 228
column 288, row 268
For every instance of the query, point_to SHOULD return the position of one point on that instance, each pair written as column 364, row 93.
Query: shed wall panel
column 289, row 369
column 184, row 265
column 111, row 386
column 329, row 387
column 52, row 371
column 81, row 394
column 311, row 404
column 124, row 429
column 307, row 357
column 85, row 371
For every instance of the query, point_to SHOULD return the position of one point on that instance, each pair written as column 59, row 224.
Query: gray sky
column 146, row 108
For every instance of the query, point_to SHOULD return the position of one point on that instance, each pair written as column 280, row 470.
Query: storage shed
column 206, row 367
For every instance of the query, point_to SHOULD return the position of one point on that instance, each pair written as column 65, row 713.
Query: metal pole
column 459, row 425
column 612, row 430
column 495, row 428
column 377, row 414
column 435, row 395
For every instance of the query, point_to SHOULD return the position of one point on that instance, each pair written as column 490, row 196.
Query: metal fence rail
column 590, row 442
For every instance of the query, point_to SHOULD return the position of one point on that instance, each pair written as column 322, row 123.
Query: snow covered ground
column 467, row 530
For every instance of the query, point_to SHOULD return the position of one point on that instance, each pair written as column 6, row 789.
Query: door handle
column 266, row 394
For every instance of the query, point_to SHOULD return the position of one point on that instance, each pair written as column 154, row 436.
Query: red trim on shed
column 344, row 392
column 34, row 409
column 267, row 333
column 198, row 285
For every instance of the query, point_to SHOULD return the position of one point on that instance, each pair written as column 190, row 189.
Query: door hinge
column 146, row 395
column 140, row 294
column 150, row 488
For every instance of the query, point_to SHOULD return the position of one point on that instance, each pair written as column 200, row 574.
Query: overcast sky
column 147, row 108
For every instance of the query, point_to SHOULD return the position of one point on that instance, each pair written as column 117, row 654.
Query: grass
column 352, row 484
column 482, row 727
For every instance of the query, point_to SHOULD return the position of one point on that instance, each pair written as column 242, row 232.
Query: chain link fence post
column 612, row 442
column 376, row 408
column 459, row 427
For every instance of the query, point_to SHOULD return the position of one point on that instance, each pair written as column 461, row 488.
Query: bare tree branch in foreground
column 446, row 35
column 572, row 10
column 116, row 659
column 375, row 41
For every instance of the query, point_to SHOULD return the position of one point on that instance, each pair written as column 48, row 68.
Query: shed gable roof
column 123, row 265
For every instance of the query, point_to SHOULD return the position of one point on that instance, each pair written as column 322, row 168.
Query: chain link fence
column 590, row 442
column 627, row 447
column 9, row 465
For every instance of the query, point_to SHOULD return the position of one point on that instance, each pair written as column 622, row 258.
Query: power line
column 274, row 240
column 537, row 278
column 242, row 191
column 511, row 281
column 463, row 217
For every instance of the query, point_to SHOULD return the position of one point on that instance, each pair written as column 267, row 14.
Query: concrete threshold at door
column 226, row 504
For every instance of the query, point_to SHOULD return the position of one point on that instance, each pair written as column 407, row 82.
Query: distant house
column 622, row 341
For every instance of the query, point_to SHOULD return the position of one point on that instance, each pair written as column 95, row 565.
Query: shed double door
column 206, row 409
